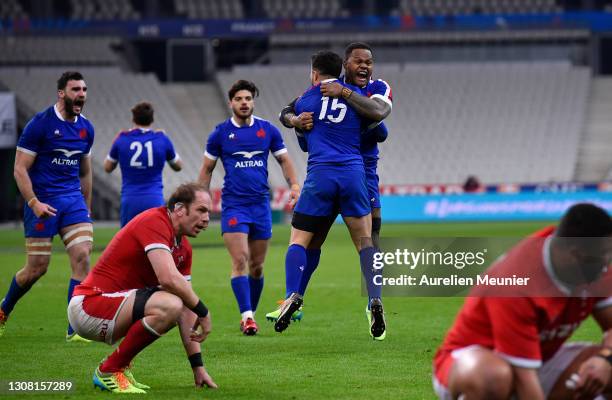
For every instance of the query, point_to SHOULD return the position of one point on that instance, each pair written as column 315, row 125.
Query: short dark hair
column 354, row 46
column 585, row 220
column 142, row 114
column 68, row 76
column 327, row 63
column 243, row 85
column 185, row 194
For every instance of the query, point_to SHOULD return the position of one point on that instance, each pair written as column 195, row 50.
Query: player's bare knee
column 481, row 375
column 36, row 267
column 79, row 257
column 240, row 263
column 256, row 269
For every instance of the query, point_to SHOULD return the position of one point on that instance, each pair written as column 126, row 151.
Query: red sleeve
column 514, row 330
column 185, row 266
column 154, row 233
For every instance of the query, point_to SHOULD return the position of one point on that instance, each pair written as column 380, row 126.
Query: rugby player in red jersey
column 140, row 288
column 501, row 347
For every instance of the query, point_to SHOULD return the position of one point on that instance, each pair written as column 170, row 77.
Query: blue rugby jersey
column 369, row 146
column 59, row 147
column 244, row 152
column 141, row 155
column 335, row 136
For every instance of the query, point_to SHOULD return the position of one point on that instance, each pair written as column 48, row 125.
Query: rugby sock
column 376, row 224
column 255, row 286
column 295, row 263
column 312, row 262
column 240, row 286
column 139, row 336
column 13, row 295
column 366, row 259
column 73, row 283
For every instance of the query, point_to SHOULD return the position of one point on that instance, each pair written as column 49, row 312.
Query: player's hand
column 332, row 89
column 201, row 329
column 594, row 375
column 43, row 210
column 303, row 121
column 294, row 195
column 202, row 379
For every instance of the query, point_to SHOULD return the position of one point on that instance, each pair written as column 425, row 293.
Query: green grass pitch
column 328, row 355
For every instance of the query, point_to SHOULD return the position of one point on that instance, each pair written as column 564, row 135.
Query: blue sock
column 366, row 259
column 240, row 286
column 295, row 263
column 256, row 286
column 312, row 262
column 73, row 283
column 12, row 296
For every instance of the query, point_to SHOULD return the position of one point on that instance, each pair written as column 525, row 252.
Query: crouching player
column 513, row 347
column 140, row 288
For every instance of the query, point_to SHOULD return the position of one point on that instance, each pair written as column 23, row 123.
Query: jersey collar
column 59, row 115
column 238, row 126
column 565, row 289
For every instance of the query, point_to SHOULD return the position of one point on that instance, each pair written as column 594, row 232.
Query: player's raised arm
column 375, row 109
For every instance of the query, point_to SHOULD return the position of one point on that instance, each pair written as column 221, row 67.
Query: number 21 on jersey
column 137, row 147
column 335, row 105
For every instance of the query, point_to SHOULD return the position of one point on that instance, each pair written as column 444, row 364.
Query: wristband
column 196, row 360
column 346, row 93
column 200, row 309
column 33, row 199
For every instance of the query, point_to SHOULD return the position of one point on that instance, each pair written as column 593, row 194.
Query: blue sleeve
column 213, row 145
column 381, row 89
column 377, row 133
column 301, row 137
column 31, row 138
column 276, row 141
column 170, row 152
column 113, row 154
column 90, row 138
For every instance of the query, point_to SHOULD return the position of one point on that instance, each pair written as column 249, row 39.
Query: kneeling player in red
column 514, row 347
column 140, row 288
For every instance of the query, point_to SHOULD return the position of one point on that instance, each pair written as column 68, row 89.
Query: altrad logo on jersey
column 248, row 163
column 68, row 154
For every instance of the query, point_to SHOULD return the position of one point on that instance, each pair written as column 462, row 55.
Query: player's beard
column 69, row 106
column 243, row 114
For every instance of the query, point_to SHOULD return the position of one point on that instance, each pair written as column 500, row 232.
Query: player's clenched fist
column 303, row 121
column 594, row 375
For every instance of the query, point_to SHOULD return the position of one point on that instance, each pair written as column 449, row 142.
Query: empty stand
column 111, row 95
column 504, row 122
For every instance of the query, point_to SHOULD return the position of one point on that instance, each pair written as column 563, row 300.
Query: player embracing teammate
column 372, row 102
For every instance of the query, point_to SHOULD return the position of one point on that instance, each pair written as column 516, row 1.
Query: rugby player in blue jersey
column 53, row 173
column 243, row 143
column 335, row 181
column 373, row 104
column 141, row 154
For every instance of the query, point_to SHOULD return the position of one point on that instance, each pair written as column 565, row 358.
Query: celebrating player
column 141, row 154
column 53, row 173
column 335, row 179
column 140, row 288
column 358, row 65
column 500, row 346
column 243, row 143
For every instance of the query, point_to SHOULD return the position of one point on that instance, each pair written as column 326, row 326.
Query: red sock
column 137, row 338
